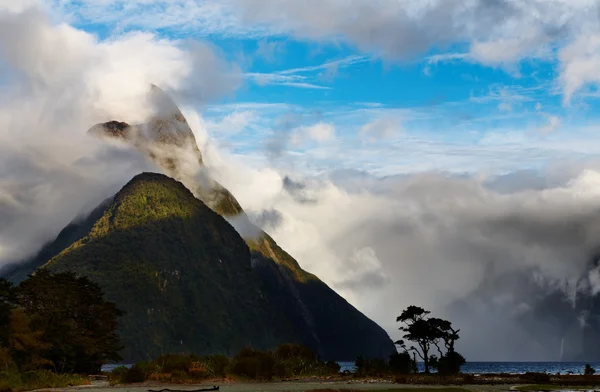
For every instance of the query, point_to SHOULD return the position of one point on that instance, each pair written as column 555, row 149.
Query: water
column 510, row 367
column 485, row 367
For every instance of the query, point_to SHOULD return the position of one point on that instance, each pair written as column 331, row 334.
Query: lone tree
column 428, row 333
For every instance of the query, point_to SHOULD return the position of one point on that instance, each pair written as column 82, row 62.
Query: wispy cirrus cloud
column 304, row 77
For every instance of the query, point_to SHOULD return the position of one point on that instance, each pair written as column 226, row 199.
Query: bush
column 450, row 363
column 401, row 363
column 375, row 367
column 171, row 362
column 589, row 371
column 6, row 361
column 537, row 378
column 178, row 376
column 216, row 365
column 137, row 373
column 333, row 367
column 253, row 364
column 296, row 352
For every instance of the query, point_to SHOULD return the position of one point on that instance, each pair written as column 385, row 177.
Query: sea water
column 510, row 367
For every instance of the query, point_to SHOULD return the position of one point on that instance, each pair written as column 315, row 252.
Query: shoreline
column 367, row 384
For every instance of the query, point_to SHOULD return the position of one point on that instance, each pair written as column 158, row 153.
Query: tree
column 25, row 345
column 427, row 333
column 7, row 304
column 77, row 322
column 589, row 371
column 418, row 330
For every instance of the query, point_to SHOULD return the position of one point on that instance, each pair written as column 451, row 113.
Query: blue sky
column 389, row 86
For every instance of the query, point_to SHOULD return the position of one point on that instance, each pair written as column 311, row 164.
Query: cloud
column 232, row 123
column 57, row 81
column 553, row 123
column 265, row 79
column 297, row 77
column 452, row 244
column 381, row 128
column 270, row 50
column 579, row 62
column 320, row 132
column 498, row 33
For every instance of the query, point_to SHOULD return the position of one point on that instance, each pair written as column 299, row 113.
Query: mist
column 484, row 252
column 58, row 81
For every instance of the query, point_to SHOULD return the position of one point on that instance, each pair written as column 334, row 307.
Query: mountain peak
column 163, row 251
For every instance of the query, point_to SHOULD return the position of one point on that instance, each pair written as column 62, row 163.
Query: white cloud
column 580, row 61
column 57, row 81
column 270, row 50
column 232, row 123
column 496, row 33
column 451, row 244
column 321, row 132
column 552, row 125
column 381, row 128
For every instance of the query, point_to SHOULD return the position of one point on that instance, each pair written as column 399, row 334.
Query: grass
column 14, row 381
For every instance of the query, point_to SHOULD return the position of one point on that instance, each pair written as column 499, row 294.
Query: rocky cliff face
column 184, row 276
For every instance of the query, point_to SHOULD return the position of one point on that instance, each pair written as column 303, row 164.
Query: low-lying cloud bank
column 487, row 253
column 484, row 252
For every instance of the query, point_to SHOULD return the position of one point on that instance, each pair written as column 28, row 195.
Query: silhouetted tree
column 427, row 333
column 589, row 371
column 419, row 330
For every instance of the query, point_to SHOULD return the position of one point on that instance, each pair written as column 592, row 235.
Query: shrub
column 401, row 363
column 333, row 367
column 253, row 364
column 216, row 365
column 137, row 373
column 589, row 371
column 117, row 375
column 295, row 351
column 537, row 378
column 178, row 376
column 6, row 361
column 171, row 362
column 376, row 367
column 450, row 363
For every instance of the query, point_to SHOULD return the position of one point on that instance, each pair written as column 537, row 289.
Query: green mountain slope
column 180, row 272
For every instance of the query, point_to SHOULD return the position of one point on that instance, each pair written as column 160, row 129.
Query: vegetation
column 286, row 361
column 588, row 371
column 397, row 364
column 53, row 326
column 12, row 380
column 426, row 333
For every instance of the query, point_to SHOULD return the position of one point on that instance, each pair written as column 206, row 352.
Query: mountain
column 188, row 282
